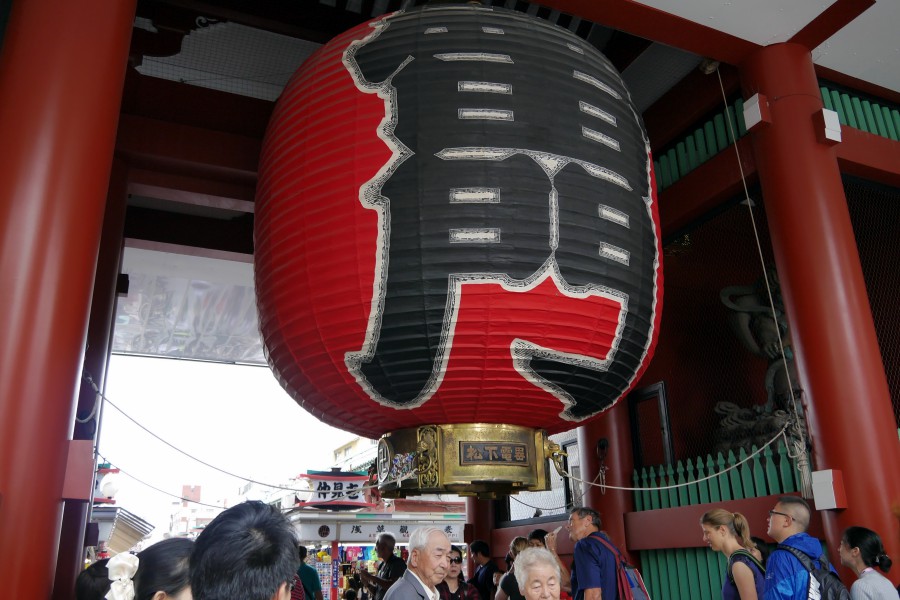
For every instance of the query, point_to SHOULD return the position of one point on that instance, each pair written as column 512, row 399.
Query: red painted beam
column 173, row 193
column 705, row 188
column 176, row 102
column 829, row 22
column 869, row 156
column 692, row 99
column 190, row 190
column 182, row 149
column 680, row 527
column 659, row 26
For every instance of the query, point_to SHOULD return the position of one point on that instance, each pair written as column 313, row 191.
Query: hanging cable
column 782, row 434
column 798, row 438
column 153, row 487
column 230, row 474
column 97, row 396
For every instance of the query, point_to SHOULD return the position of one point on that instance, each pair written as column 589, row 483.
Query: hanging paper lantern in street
column 456, row 223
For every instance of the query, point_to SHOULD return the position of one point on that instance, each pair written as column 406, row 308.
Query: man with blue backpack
column 593, row 570
column 797, row 569
column 599, row 570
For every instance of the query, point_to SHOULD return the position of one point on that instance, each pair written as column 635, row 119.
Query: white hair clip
column 122, row 568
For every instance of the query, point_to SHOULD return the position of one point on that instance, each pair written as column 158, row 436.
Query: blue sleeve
column 785, row 577
column 595, row 567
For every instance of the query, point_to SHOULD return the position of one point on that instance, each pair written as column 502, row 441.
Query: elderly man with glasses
column 786, row 577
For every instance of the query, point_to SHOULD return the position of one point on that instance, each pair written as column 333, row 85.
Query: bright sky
column 236, row 418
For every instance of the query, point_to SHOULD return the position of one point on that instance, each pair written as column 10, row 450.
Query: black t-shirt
column 392, row 568
column 510, row 586
column 483, row 579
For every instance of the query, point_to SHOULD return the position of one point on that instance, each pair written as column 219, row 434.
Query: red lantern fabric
column 456, row 222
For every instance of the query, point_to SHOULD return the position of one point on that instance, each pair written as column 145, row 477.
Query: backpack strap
column 805, row 560
column 749, row 555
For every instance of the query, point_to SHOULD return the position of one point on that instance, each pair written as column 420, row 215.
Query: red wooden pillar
column 848, row 405
column 480, row 515
column 612, row 505
column 61, row 73
column 96, row 360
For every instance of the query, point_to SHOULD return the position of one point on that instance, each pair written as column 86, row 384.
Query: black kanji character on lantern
column 496, row 147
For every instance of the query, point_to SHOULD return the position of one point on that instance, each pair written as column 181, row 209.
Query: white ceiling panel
column 868, row 48
column 762, row 22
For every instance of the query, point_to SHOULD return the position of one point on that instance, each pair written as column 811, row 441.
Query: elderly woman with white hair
column 538, row 574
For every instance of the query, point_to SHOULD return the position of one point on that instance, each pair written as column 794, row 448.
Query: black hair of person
column 246, row 553
column 93, row 582
column 871, row 549
column 163, row 567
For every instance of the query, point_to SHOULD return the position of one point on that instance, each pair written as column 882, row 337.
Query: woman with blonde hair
column 729, row 533
column 508, row 588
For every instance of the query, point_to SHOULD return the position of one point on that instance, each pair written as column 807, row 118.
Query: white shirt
column 430, row 590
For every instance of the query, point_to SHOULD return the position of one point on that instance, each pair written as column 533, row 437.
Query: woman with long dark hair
column 861, row 550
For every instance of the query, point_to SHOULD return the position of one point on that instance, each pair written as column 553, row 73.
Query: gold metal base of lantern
column 472, row 459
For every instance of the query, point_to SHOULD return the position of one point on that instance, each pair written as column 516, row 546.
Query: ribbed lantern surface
column 456, row 223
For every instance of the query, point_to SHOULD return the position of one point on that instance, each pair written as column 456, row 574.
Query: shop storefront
column 341, row 543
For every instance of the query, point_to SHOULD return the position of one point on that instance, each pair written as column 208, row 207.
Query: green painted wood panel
column 732, row 127
column 759, row 474
column 826, row 98
column 683, row 166
column 700, row 144
column 734, row 478
column 889, row 123
column 785, row 469
column 703, row 486
column 871, row 125
column 674, row 173
column 674, row 572
column 709, row 132
column 691, row 146
column 849, row 111
column 724, row 486
column 663, row 494
column 879, row 121
column 664, row 176
column 860, row 115
column 721, row 134
column 682, row 489
column 773, row 483
column 839, row 107
column 672, row 492
column 693, row 497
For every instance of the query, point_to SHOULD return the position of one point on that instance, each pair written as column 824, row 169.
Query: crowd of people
column 753, row 573
column 250, row 552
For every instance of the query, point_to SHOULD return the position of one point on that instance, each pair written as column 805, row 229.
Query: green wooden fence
column 715, row 135
column 692, row 573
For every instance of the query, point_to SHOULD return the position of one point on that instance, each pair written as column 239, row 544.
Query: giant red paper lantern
column 456, row 223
